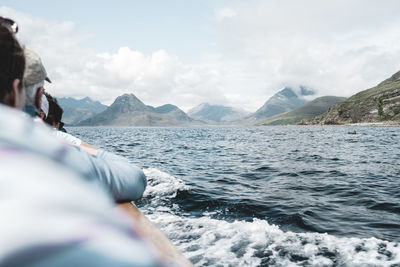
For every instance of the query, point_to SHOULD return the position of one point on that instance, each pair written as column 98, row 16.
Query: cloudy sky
column 186, row 52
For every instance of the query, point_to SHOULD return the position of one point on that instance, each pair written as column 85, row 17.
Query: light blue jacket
column 54, row 206
column 124, row 180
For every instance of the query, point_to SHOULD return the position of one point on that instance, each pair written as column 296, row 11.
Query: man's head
column 12, row 66
column 35, row 75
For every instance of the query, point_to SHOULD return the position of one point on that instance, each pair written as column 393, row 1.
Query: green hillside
column 316, row 107
column 377, row 104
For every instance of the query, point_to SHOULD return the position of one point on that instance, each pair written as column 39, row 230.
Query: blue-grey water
column 269, row 196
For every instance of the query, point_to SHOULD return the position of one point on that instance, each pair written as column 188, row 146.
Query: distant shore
column 361, row 124
column 380, row 124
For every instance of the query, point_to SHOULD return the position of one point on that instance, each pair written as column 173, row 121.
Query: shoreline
column 360, row 124
column 376, row 124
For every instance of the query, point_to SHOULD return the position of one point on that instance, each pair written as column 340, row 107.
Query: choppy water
column 269, row 196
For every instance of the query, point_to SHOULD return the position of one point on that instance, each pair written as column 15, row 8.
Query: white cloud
column 337, row 47
column 76, row 71
column 223, row 13
column 157, row 79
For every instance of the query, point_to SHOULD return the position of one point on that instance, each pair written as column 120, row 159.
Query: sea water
column 269, row 196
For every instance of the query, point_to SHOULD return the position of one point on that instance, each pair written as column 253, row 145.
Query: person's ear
column 19, row 94
column 14, row 98
column 38, row 98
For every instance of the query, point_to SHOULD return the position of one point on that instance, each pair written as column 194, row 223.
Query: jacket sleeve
column 53, row 217
column 124, row 180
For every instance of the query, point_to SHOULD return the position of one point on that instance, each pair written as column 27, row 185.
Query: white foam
column 210, row 242
column 161, row 184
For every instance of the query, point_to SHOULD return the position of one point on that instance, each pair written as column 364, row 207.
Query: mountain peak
column 128, row 103
column 127, row 97
column 166, row 108
column 305, row 91
column 128, row 110
column 283, row 101
column 287, row 92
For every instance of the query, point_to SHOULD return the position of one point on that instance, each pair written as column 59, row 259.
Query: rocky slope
column 316, row 107
column 378, row 104
column 128, row 110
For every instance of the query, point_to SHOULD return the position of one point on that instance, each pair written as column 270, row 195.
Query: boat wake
column 208, row 241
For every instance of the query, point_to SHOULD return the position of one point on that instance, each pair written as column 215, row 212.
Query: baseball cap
column 34, row 69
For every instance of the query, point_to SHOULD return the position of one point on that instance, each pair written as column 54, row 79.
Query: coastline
column 359, row 124
column 376, row 124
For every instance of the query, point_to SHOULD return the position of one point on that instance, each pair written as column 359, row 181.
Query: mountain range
column 288, row 106
column 128, row 110
column 76, row 111
column 214, row 114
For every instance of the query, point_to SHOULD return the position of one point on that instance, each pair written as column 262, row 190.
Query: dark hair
column 12, row 62
column 55, row 111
